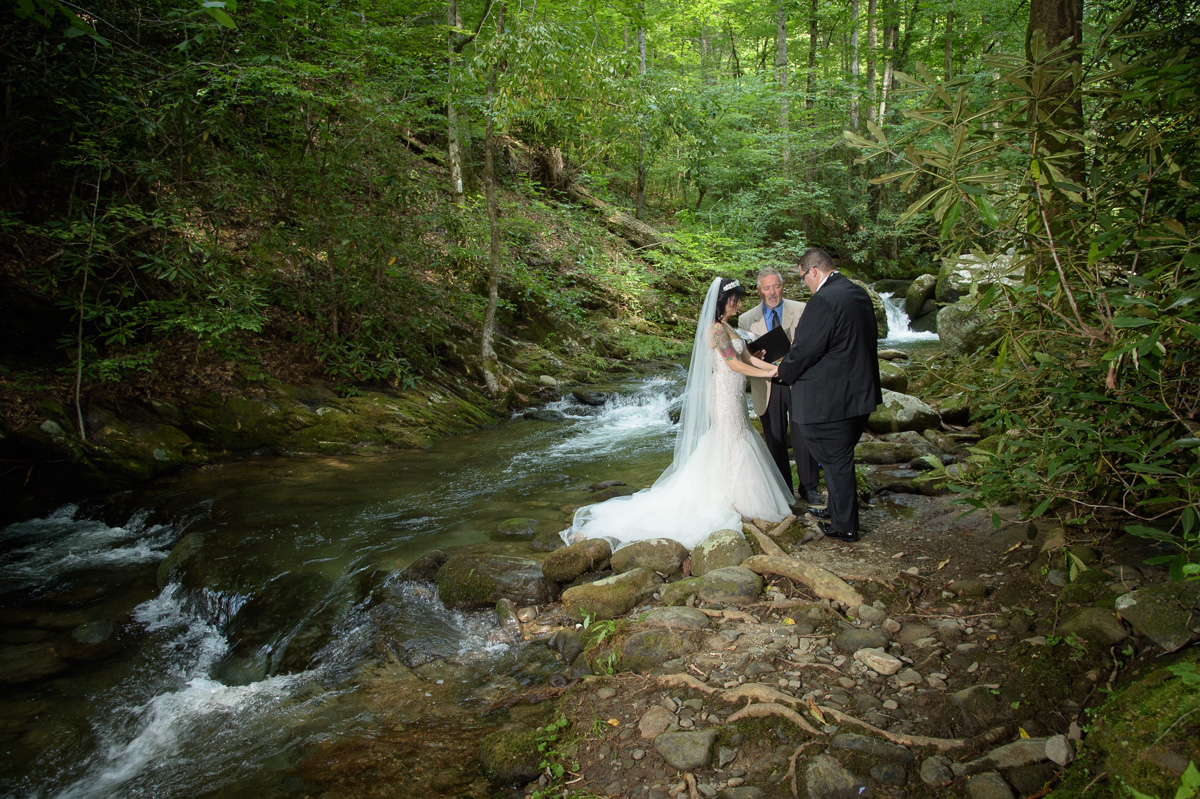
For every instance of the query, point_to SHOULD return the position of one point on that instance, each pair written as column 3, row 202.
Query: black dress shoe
column 820, row 513
column 831, row 533
column 812, row 496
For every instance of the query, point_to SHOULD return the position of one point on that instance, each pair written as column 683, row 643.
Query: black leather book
column 775, row 342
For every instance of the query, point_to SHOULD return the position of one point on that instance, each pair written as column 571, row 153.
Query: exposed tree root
column 941, row 744
column 772, row 709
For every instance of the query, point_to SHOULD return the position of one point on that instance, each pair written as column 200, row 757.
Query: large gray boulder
column 645, row 649
column 964, row 329
column 892, row 377
column 968, row 275
column 1166, row 613
column 662, row 555
column 900, row 412
column 566, row 564
column 481, row 580
column 722, row 548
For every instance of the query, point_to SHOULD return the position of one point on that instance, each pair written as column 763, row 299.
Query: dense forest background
column 388, row 192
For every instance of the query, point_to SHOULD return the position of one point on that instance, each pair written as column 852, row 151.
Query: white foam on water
column 898, row 322
column 192, row 721
column 39, row 551
column 622, row 422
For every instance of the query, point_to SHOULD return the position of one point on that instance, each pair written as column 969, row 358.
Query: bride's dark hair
column 729, row 288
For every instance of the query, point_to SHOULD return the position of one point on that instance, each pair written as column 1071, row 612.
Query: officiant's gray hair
column 767, row 272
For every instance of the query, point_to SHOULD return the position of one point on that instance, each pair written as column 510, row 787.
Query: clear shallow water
column 192, row 692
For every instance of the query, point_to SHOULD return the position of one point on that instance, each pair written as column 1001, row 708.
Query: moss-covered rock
column 479, row 581
column 566, row 564
column 900, row 412
column 892, row 377
column 510, row 757
column 516, row 529
column 645, row 649
column 720, row 549
column 611, row 597
column 662, row 555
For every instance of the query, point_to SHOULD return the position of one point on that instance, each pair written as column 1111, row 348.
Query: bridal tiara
column 733, row 284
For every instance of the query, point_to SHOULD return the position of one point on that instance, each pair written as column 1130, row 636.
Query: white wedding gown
column 728, row 475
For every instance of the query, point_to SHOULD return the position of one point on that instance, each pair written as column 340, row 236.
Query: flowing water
column 286, row 660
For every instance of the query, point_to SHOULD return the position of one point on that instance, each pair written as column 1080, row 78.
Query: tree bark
column 781, row 69
column 453, row 148
column 487, row 350
column 872, row 45
column 854, row 64
column 639, row 207
column 812, row 57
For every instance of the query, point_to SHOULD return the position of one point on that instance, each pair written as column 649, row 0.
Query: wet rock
column 878, row 661
column 918, row 293
column 425, row 568
column 91, row 640
column 677, row 618
column 873, row 747
column 720, row 550
column 733, row 585
column 646, row 649
column 568, row 643
column 21, row 664
column 566, row 564
column 892, row 377
column 686, row 749
column 510, row 757
column 610, row 597
column 989, row 785
column 654, row 722
column 479, row 581
column 1166, row 613
column 661, row 555
column 517, row 529
column 936, row 771
column 902, row 412
column 186, row 549
column 506, row 619
column 850, row 641
column 546, row 541
column 885, row 452
column 827, row 779
column 1093, row 624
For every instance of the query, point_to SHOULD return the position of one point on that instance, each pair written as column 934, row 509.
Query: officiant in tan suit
column 772, row 400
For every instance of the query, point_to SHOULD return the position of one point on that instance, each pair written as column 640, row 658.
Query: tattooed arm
column 724, row 345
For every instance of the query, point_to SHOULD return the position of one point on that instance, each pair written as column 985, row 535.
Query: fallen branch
column 768, row 546
column 821, row 582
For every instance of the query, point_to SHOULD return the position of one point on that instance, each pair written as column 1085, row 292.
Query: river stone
column 516, row 529
column 506, row 618
column 989, row 785
column 661, row 555
column 936, row 771
column 29, row 662
column 610, row 597
column 686, row 750
column 142, row 449
column 680, row 591
column 955, row 409
column 568, row 643
column 425, row 568
column 919, row 291
column 878, row 661
column 646, row 649
column 880, row 452
column 1021, row 752
column 565, row 564
column 677, row 618
column 509, row 756
column 963, row 329
column 1095, row 625
column 480, row 580
column 1059, row 749
column 654, row 722
column 871, row 614
column 889, row 773
column 827, row 779
column 892, row 377
column 968, row 589
column 186, row 549
column 852, row 640
column 978, row 705
column 1032, row 779
column 874, row 747
column 1166, row 613
column 902, row 412
column 719, row 550
column 911, row 633
column 733, row 585
column 91, row 640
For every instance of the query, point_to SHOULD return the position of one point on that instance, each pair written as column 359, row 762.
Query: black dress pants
column 832, row 443
column 776, row 423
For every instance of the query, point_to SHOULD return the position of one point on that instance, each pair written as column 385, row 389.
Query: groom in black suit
column 833, row 369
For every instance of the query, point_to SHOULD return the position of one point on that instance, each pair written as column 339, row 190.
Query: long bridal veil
column 696, row 494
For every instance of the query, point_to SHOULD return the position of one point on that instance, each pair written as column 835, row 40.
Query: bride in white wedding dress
column 722, row 470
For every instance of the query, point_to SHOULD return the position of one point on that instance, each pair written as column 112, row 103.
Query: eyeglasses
column 804, row 274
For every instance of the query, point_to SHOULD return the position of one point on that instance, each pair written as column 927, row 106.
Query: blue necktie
column 772, row 318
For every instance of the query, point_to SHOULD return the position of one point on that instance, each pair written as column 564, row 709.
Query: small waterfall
column 898, row 322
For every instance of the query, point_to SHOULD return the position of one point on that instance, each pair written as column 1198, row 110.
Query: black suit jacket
column 833, row 366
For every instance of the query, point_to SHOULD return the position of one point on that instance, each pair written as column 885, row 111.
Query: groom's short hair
column 814, row 258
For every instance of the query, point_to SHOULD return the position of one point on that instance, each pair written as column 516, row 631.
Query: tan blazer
column 753, row 321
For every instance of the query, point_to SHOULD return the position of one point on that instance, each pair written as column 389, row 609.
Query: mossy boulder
column 900, row 412
column 892, row 377
column 919, row 292
column 645, row 649
column 516, row 529
column 1166, row 613
column 610, row 597
column 720, row 549
column 510, row 757
column 566, row 564
column 481, row 580
column 142, row 450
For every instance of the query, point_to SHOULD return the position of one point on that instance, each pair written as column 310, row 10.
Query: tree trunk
column 812, row 57
column 639, row 207
column 453, row 149
column 854, row 64
column 872, row 45
column 487, row 351
column 735, row 66
column 949, row 40
column 781, row 70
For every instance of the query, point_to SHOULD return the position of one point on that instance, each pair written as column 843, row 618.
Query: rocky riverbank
column 940, row 656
